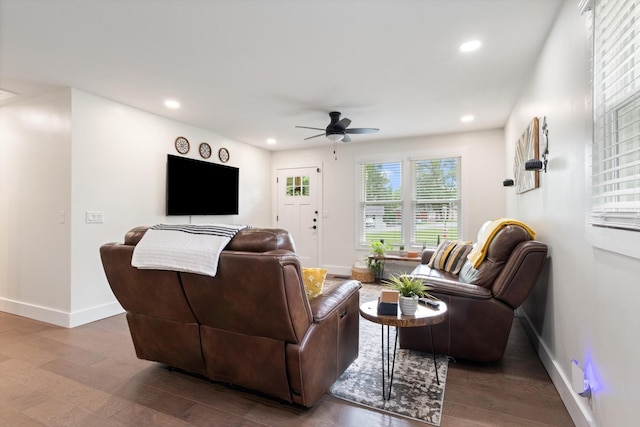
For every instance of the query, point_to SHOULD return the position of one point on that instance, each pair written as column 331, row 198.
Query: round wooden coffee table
column 424, row 317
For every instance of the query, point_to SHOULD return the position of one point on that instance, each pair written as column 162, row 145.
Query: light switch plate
column 94, row 217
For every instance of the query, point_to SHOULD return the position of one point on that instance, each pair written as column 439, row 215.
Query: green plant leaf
column 409, row 286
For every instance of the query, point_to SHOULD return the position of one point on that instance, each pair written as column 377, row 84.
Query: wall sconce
column 537, row 164
column 507, row 182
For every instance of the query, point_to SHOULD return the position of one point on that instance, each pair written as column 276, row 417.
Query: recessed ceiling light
column 271, row 141
column 467, row 118
column 171, row 103
column 470, row 46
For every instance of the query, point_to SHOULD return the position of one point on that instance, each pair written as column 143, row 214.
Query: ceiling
column 254, row 69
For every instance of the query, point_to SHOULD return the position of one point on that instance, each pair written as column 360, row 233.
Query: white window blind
column 381, row 202
column 615, row 153
column 436, row 200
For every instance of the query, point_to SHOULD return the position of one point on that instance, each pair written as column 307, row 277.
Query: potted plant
column 401, row 251
column 375, row 260
column 410, row 289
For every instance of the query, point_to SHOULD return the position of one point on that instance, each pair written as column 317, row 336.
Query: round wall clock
column 182, row 145
column 205, row 150
column 223, row 155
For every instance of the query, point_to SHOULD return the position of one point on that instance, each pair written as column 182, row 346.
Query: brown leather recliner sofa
column 251, row 325
column 480, row 315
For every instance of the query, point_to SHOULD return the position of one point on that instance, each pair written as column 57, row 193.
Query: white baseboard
column 59, row 317
column 338, row 269
column 92, row 314
column 577, row 406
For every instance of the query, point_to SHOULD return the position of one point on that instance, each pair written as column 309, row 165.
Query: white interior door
column 298, row 210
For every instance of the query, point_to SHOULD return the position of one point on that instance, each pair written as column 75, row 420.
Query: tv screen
column 195, row 187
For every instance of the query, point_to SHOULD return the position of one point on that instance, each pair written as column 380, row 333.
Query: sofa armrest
column 447, row 283
column 328, row 302
column 459, row 289
column 442, row 285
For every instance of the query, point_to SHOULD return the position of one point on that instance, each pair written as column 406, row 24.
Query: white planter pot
column 408, row 305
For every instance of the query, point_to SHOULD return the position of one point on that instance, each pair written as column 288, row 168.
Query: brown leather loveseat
column 251, row 325
column 480, row 315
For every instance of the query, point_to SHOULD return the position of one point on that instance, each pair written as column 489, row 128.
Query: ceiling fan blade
column 315, row 136
column 307, row 127
column 362, row 130
column 342, row 124
column 346, row 138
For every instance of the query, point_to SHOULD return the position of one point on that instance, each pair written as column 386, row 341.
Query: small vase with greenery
column 375, row 260
column 410, row 289
column 401, row 251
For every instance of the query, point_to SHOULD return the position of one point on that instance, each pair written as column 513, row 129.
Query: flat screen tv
column 195, row 187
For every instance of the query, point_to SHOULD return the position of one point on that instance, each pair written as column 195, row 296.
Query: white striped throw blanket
column 186, row 248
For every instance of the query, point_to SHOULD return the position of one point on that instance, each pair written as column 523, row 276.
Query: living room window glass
column 381, row 202
column 411, row 202
column 436, row 201
column 615, row 151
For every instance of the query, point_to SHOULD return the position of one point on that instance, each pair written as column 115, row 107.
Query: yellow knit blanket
column 479, row 252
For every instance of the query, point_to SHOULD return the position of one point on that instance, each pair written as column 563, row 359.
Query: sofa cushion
column 261, row 240
column 468, row 274
column 457, row 257
column 313, row 281
column 247, row 240
column 450, row 256
column 488, row 233
column 500, row 249
column 439, row 257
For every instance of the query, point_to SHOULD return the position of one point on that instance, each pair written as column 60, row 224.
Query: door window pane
column 297, row 186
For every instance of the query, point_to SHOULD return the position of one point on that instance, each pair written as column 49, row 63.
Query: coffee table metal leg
column 382, row 355
column 391, row 363
column 435, row 364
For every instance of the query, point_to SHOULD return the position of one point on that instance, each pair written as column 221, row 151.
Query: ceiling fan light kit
column 335, row 137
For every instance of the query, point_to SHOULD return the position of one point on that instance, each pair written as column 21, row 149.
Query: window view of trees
column 437, row 204
column 434, row 202
column 382, row 208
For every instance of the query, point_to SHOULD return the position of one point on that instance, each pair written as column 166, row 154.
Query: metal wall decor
column 205, row 150
column 223, row 155
column 527, row 148
column 182, row 145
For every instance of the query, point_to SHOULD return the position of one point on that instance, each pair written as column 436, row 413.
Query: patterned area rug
column 415, row 393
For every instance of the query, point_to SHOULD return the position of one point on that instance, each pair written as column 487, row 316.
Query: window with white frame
column 615, row 150
column 381, row 202
column 411, row 203
column 436, row 201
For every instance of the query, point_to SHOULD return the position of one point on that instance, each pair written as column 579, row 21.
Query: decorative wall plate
column 182, row 145
column 223, row 155
column 205, row 150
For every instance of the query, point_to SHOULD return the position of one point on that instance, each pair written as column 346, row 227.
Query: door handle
column 314, row 227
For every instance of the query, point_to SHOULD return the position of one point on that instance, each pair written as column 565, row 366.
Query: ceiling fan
column 338, row 129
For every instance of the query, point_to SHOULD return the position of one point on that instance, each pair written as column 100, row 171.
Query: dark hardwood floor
column 90, row 376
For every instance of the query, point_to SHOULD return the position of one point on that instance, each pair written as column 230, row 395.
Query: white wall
column 35, row 203
column 482, row 192
column 586, row 305
column 99, row 156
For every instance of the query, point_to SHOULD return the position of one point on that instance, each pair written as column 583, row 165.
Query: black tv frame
column 196, row 187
